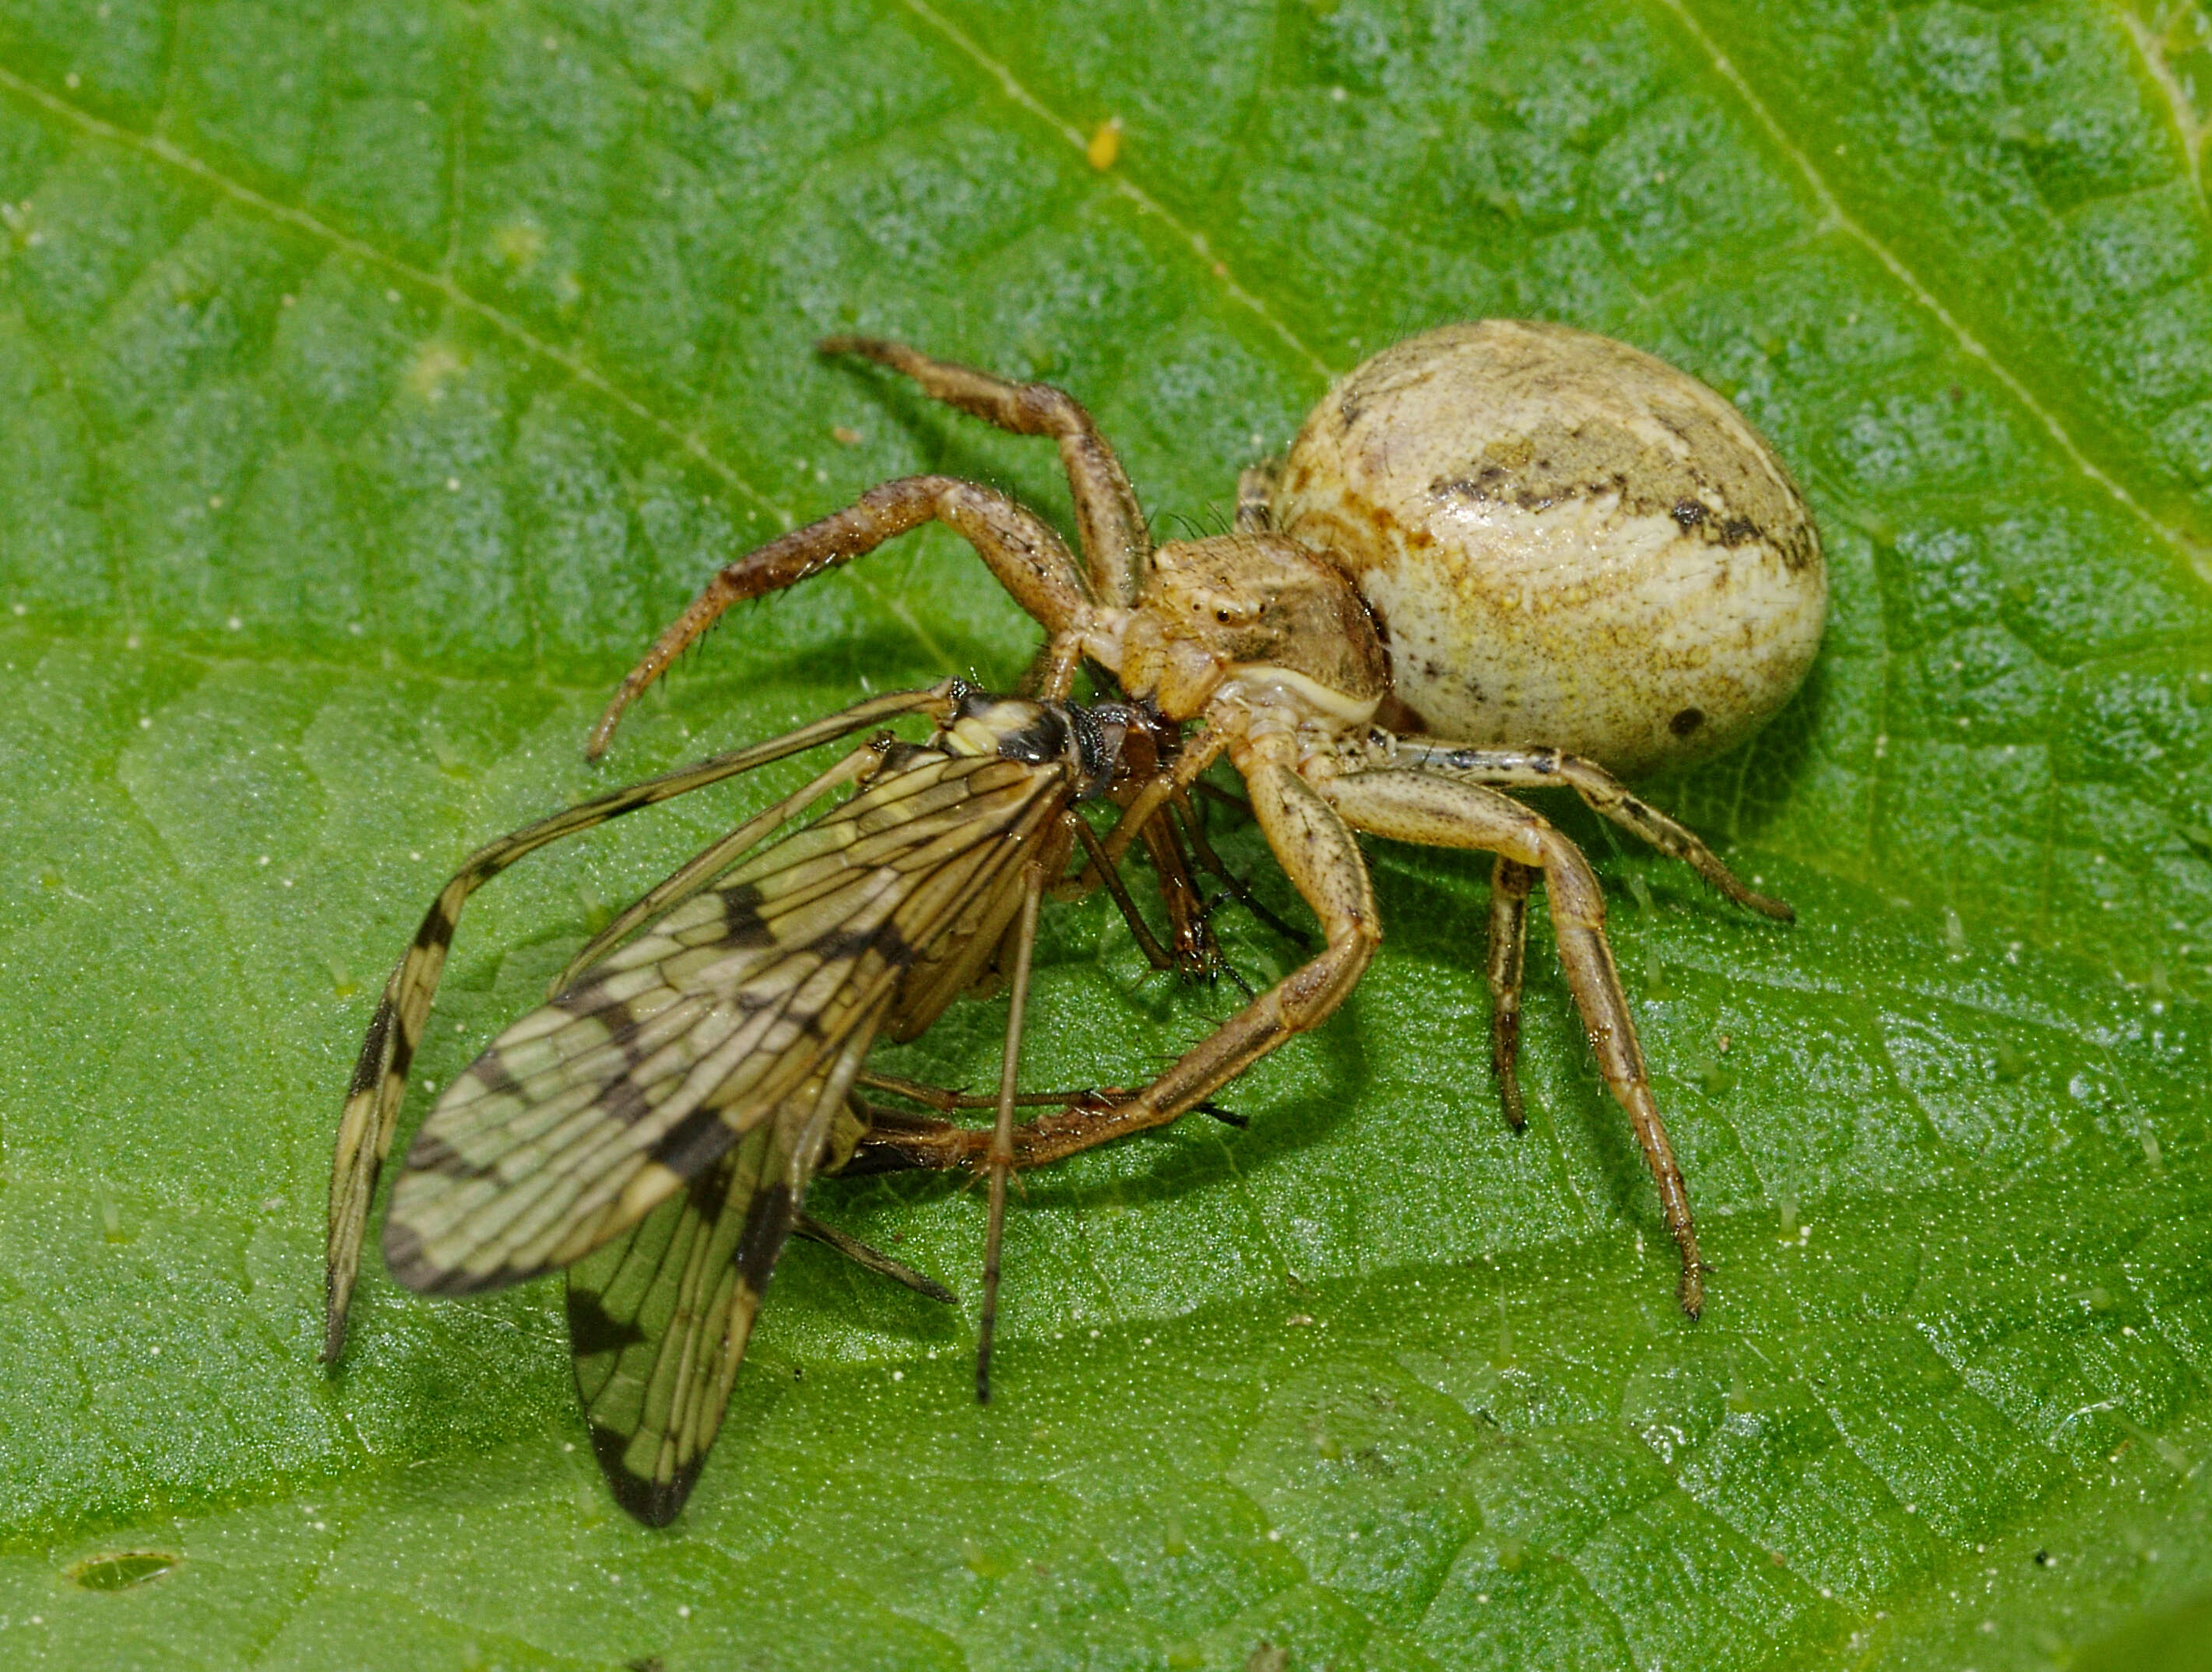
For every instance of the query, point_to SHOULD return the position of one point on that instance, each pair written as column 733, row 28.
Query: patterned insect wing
column 655, row 1127
column 371, row 1115
column 588, row 1113
column 660, row 1317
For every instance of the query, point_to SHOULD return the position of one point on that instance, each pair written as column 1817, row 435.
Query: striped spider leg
column 1020, row 548
column 1511, row 881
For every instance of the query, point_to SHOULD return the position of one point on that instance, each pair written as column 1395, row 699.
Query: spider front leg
column 1031, row 562
column 1445, row 813
column 1111, row 527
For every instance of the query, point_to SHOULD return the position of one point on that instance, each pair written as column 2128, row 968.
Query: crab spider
column 1591, row 551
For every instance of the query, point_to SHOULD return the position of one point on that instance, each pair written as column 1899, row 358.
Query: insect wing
column 659, row 1318
column 589, row 1112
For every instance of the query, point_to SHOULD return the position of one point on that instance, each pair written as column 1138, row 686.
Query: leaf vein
column 440, row 285
column 2187, row 127
column 1141, row 200
column 2198, row 556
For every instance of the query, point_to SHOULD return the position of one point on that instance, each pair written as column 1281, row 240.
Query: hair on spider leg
column 1205, row 523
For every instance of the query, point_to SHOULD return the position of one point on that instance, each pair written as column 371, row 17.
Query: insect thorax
column 1087, row 741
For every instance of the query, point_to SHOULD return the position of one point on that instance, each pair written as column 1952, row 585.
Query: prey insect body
column 654, row 1126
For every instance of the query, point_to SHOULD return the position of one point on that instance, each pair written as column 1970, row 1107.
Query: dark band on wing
column 403, row 1258
column 741, row 913
column 402, row 1052
column 693, row 1141
column 655, row 1503
column 438, row 926
column 768, row 1228
column 430, row 1153
column 624, row 1102
column 369, row 1069
column 491, row 1071
column 594, row 1330
column 885, row 939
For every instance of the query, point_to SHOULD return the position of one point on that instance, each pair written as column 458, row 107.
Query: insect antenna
column 1207, row 909
column 1215, row 792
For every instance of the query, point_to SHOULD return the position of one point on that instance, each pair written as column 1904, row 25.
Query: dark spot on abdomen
column 1688, row 513
column 1686, row 722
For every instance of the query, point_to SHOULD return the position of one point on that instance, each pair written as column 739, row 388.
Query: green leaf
column 378, row 378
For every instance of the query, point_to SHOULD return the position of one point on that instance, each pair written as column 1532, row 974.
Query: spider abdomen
column 1568, row 542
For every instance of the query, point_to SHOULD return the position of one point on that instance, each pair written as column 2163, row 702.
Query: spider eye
column 1221, row 616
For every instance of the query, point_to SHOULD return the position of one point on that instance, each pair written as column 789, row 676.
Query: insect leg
column 1115, row 542
column 1193, row 950
column 1220, row 797
column 1510, row 882
column 1196, row 951
column 380, row 1077
column 873, row 1259
column 1155, row 793
column 1605, row 795
column 1147, row 943
column 1447, row 812
column 1030, row 560
column 1239, row 890
column 1002, row 1133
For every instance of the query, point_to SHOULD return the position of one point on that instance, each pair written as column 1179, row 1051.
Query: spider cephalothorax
column 1533, row 540
column 1251, row 605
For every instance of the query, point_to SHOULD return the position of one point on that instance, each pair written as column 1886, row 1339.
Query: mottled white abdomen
column 1568, row 543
